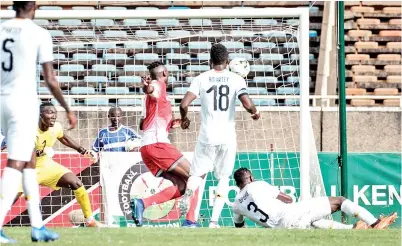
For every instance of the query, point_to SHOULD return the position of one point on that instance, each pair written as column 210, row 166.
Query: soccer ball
column 240, row 66
column 76, row 217
column 132, row 143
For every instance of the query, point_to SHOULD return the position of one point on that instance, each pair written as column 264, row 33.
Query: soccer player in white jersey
column 215, row 150
column 22, row 44
column 268, row 207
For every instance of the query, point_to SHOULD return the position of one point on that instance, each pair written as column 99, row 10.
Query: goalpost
column 100, row 55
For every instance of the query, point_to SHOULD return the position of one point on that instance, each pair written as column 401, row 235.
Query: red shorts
column 159, row 157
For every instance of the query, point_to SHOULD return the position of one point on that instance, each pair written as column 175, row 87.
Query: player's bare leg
column 70, row 180
column 352, row 209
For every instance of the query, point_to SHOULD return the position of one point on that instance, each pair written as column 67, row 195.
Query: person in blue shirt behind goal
column 116, row 137
column 2, row 141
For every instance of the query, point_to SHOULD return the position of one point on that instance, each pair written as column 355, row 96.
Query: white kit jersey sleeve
column 195, row 86
column 45, row 48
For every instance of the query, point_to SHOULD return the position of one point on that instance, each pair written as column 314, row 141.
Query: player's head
column 158, row 71
column 48, row 114
column 24, row 9
column 242, row 177
column 115, row 114
column 219, row 56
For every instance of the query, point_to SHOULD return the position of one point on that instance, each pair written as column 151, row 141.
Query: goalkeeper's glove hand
column 92, row 155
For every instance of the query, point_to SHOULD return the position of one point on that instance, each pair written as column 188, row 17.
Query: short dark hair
column 19, row 5
column 152, row 66
column 45, row 104
column 219, row 54
column 241, row 175
column 116, row 108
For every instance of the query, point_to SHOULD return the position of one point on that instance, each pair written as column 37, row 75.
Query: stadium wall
column 371, row 131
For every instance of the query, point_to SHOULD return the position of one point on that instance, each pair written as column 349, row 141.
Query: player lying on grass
column 50, row 173
column 159, row 155
column 216, row 145
column 113, row 138
column 268, row 207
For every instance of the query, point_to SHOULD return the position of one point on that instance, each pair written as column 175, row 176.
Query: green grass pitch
column 212, row 237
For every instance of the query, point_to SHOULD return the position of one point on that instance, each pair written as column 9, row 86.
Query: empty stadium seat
column 59, row 56
column 271, row 56
column 263, row 45
column 297, row 56
column 312, row 33
column 82, row 91
column 180, row 90
column 147, row 8
column 177, row 56
column 65, row 79
column 292, row 79
column 69, row 22
column 83, row 33
column 41, row 22
column 203, row 56
column 129, row 79
column 129, row 102
column 115, row 56
column 135, row 68
column 104, row 68
column 200, row 22
column 291, row 45
column 257, row 91
column 264, row 79
column 210, row 33
column 292, row 102
column 233, row 22
column 196, row 102
column 72, row 45
column 102, row 22
column 83, row 8
column 146, row 56
column 136, row 45
column 172, row 68
column 178, row 33
column 274, row 34
column 113, row 33
column 242, row 33
column 84, row 56
column 289, row 68
column 134, row 22
column 96, row 102
column 115, row 8
column 50, row 8
column 233, row 45
column 288, row 91
column 199, row 45
column 56, row 33
column 172, row 79
column 43, row 90
column 261, row 68
column 293, row 22
column 168, row 45
column 106, row 45
column 265, row 22
column 95, row 79
column 167, row 22
column 146, row 34
column 116, row 90
column 264, row 102
column 189, row 79
column 197, row 68
column 246, row 56
column 179, row 7
column 72, row 68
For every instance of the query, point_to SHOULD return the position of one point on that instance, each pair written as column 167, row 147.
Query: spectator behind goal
column 116, row 137
column 2, row 141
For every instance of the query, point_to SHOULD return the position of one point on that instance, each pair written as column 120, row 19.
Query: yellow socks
column 82, row 197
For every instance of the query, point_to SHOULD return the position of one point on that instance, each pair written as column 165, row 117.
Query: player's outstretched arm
column 69, row 142
column 188, row 98
column 249, row 106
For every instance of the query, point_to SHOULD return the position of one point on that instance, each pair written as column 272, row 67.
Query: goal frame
column 303, row 39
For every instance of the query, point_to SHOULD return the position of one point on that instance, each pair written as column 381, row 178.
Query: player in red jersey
column 158, row 154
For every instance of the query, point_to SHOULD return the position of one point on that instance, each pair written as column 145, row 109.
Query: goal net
column 100, row 57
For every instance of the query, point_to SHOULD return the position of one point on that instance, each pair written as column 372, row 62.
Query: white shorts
column 19, row 122
column 219, row 158
column 300, row 215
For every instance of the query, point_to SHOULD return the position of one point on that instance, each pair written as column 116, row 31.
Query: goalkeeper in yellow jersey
column 50, row 173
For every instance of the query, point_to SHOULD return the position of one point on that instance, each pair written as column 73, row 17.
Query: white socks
column 355, row 210
column 31, row 191
column 200, row 195
column 330, row 224
column 10, row 184
column 220, row 198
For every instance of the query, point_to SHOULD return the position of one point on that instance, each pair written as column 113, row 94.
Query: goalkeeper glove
column 92, row 155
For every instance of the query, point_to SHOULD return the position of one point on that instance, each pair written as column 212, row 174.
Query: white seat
column 83, row 8
column 105, row 45
column 80, row 33
column 146, row 56
column 172, row 68
column 261, row 68
column 129, row 79
column 246, row 56
column 95, row 79
column 115, row 56
column 135, row 68
column 115, row 8
column 146, row 34
column 168, row 45
column 271, row 56
column 134, row 22
column 290, row 68
column 41, row 22
column 291, row 45
column 167, row 22
column 65, row 79
column 264, row 22
column 197, row 68
column 56, row 33
column 147, row 8
column 241, row 33
column 200, row 22
column 102, row 22
column 178, row 33
column 136, row 45
column 84, row 56
column 104, row 68
column 199, row 45
column 112, row 34
column 203, row 56
column 263, row 45
column 232, row 22
column 72, row 68
column 72, row 45
column 69, row 22
column 211, row 33
column 233, row 45
column 59, row 56
column 50, row 8
column 177, row 56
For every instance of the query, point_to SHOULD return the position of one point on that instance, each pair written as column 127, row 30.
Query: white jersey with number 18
column 257, row 201
column 22, row 44
column 218, row 91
